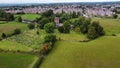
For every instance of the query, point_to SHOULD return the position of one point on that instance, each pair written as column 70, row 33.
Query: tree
column 49, row 27
column 19, row 19
column 48, row 13
column 31, row 26
column 42, row 22
column 115, row 16
column 92, row 34
column 4, row 35
column 61, row 29
column 95, row 30
column 17, row 31
column 84, row 26
column 66, row 26
column 50, row 38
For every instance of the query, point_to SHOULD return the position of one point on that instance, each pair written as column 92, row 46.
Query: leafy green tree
column 66, row 26
column 61, row 29
column 19, row 19
column 48, row 13
column 42, row 22
column 49, row 27
column 84, row 25
column 92, row 34
column 95, row 30
column 50, row 38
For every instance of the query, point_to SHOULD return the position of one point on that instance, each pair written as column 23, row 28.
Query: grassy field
column 29, row 16
column 119, row 16
column 13, row 60
column 27, row 41
column 111, row 26
column 100, row 53
column 10, row 26
column 13, row 46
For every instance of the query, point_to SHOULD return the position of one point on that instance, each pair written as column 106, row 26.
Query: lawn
column 29, row 16
column 100, row 53
column 13, row 60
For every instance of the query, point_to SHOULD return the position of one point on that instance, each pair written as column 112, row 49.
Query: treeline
column 49, row 16
column 6, row 16
column 83, row 25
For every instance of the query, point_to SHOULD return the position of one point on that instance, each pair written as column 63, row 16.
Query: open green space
column 13, row 60
column 9, row 27
column 100, row 53
column 111, row 26
column 29, row 16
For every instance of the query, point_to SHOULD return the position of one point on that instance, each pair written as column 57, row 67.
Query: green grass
column 29, row 16
column 119, row 16
column 100, row 53
column 13, row 46
column 28, row 38
column 111, row 26
column 9, row 27
column 13, row 60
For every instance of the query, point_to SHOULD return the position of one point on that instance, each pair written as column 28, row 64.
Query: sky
column 51, row 1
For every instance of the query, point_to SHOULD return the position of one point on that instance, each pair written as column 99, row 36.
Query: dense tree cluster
column 82, row 23
column 95, row 30
column 6, row 16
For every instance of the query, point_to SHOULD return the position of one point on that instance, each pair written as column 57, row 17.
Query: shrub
column 50, row 38
column 115, row 16
column 61, row 29
column 31, row 26
column 19, row 19
column 46, row 47
column 17, row 31
column 49, row 27
column 4, row 35
column 77, row 29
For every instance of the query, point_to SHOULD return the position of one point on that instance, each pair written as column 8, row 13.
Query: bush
column 115, row 16
column 61, row 29
column 49, row 27
column 46, row 47
column 31, row 26
column 19, row 19
column 17, row 31
column 4, row 35
column 77, row 29
column 50, row 38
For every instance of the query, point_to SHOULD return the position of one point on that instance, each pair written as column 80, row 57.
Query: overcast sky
column 50, row 1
